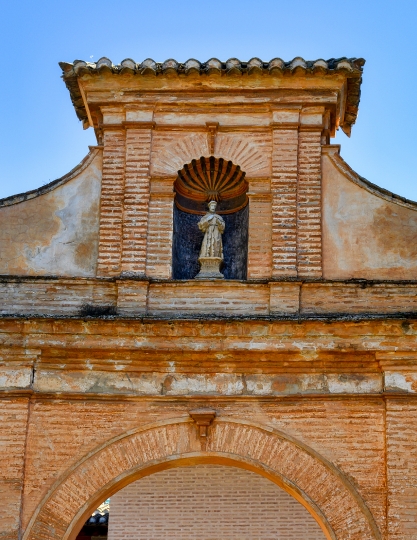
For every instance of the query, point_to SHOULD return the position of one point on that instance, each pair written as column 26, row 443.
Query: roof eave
column 352, row 69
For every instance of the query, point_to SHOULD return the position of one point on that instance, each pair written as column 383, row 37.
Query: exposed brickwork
column 309, row 252
column 328, row 492
column 136, row 200
column 132, row 297
column 13, row 426
column 284, row 202
column 358, row 298
column 340, row 430
column 207, row 297
column 160, row 230
column 205, row 502
column 112, row 198
column 402, row 468
column 251, row 151
column 54, row 297
column 260, row 241
column 361, row 455
column 77, row 296
column 171, row 150
column 311, row 375
column 284, row 298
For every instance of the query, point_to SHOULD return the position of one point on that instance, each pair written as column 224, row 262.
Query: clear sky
column 41, row 138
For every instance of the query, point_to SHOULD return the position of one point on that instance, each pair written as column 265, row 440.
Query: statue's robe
column 212, row 226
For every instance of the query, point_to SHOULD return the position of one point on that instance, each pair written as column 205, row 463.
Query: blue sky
column 41, row 138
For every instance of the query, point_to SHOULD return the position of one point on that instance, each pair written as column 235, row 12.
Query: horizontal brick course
column 69, row 296
column 208, row 297
column 358, row 298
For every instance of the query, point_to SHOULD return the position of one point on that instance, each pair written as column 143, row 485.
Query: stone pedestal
column 210, row 268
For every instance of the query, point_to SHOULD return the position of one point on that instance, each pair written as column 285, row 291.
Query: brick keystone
column 203, row 418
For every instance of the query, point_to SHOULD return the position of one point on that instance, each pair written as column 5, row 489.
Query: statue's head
column 212, row 206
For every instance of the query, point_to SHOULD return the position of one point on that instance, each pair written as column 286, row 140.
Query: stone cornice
column 165, row 300
column 349, row 69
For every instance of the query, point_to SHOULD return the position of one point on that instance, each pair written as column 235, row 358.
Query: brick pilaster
column 136, row 198
column 259, row 248
column 160, row 228
column 309, row 235
column 284, row 201
column 112, row 194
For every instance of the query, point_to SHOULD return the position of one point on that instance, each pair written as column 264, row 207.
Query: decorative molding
column 284, row 125
column 117, row 126
column 171, row 150
column 312, row 127
column 138, row 125
column 212, row 132
column 251, row 151
column 342, row 70
column 203, row 419
column 211, row 179
column 199, row 128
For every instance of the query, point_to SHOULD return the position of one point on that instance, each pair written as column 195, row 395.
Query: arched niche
column 199, row 182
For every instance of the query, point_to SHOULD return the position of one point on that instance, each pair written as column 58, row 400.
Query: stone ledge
column 131, row 298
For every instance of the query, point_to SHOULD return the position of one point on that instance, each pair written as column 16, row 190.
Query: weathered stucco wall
column 367, row 233
column 57, row 231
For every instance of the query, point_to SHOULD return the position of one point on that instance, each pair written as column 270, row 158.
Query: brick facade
column 309, row 252
column 284, row 202
column 302, row 377
column 136, row 198
column 112, row 197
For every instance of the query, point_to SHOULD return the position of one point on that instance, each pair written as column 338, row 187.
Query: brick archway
column 313, row 481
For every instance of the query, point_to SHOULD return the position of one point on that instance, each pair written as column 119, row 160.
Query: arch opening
column 198, row 183
column 206, row 501
column 317, row 484
column 290, row 495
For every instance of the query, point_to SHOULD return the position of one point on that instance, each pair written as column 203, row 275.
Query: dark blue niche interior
column 188, row 238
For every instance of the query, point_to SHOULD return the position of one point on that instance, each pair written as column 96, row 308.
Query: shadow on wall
column 188, row 239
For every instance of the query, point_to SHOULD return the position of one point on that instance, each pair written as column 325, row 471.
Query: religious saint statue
column 211, row 253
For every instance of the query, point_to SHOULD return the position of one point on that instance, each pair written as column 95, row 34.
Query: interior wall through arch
column 208, row 502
